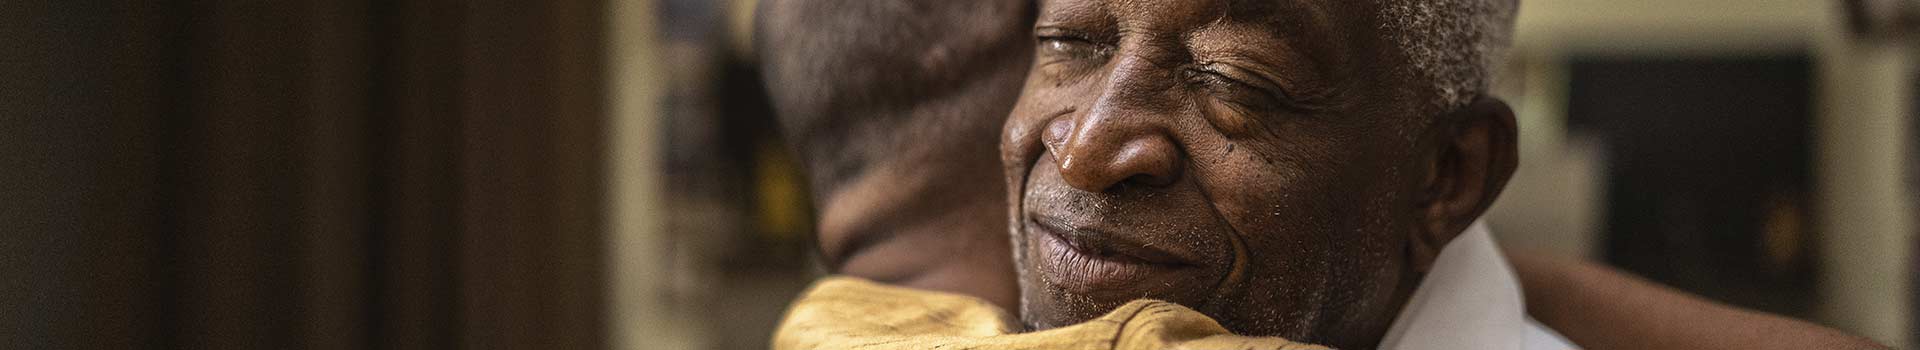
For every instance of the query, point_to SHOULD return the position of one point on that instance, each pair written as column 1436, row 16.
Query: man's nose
column 1114, row 145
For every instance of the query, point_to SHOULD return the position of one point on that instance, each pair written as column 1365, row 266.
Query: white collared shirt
column 1470, row 300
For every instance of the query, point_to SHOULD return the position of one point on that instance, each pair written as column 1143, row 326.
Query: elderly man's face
column 1256, row 160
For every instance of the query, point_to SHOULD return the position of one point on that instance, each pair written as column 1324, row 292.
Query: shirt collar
column 1469, row 300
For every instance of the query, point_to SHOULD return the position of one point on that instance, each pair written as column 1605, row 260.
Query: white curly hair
column 1454, row 44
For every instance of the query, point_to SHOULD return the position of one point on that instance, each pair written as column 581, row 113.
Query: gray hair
column 1453, row 45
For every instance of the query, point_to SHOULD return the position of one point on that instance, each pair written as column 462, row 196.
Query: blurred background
column 604, row 174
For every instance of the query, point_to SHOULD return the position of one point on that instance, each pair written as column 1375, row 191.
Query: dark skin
column 1249, row 159
column 914, row 216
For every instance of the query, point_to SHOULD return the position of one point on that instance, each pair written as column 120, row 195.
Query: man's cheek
column 1247, row 191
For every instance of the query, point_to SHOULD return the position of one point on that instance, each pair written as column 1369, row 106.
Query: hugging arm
column 1601, row 308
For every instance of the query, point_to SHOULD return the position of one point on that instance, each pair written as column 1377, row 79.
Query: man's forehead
column 1283, row 16
column 1196, row 5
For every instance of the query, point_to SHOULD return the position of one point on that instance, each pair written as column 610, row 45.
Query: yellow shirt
column 850, row 313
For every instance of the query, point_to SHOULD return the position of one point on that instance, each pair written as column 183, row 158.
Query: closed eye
column 1239, row 91
column 1063, row 44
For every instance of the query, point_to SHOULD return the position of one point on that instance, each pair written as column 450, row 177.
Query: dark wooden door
column 230, row 174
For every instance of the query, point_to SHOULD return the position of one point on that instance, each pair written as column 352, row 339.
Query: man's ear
column 1475, row 152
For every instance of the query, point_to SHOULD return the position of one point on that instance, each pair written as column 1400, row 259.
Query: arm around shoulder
column 1601, row 308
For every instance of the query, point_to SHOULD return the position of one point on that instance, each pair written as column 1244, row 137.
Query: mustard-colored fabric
column 850, row 313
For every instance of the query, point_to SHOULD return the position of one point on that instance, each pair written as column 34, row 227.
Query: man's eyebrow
column 1059, row 12
column 1287, row 42
column 1257, row 5
column 1294, row 16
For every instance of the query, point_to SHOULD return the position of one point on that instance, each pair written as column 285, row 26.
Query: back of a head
column 858, row 82
column 895, row 110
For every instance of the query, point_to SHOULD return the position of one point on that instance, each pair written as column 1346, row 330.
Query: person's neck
column 929, row 234
column 1369, row 327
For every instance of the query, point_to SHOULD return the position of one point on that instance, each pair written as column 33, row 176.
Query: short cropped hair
column 856, row 82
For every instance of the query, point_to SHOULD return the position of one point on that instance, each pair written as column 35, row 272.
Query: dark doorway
column 1708, row 177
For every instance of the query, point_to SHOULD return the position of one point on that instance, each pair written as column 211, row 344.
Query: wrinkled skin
column 1260, row 161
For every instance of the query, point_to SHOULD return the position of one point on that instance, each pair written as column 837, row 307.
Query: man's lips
column 1106, row 245
column 1092, row 261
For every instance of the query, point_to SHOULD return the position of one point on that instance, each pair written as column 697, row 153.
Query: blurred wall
column 729, row 227
column 641, row 314
column 1868, row 101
